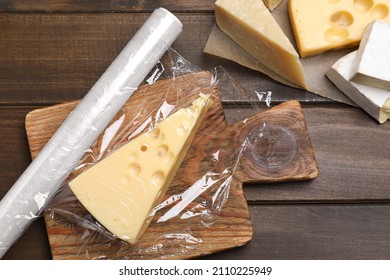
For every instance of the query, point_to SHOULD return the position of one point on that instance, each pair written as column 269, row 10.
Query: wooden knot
column 270, row 148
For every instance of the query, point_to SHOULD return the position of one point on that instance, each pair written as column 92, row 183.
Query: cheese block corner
column 121, row 190
column 372, row 63
column 375, row 101
column 325, row 25
column 251, row 25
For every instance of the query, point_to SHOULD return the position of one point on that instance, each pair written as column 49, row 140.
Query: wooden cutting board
column 280, row 151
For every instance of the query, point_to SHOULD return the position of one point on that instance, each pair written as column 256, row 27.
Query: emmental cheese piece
column 250, row 24
column 320, row 26
column 121, row 190
column 272, row 4
column 376, row 102
column 372, row 64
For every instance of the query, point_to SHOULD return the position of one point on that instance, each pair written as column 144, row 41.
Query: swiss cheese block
column 121, row 190
column 272, row 4
column 325, row 25
column 376, row 102
column 372, row 64
column 250, row 24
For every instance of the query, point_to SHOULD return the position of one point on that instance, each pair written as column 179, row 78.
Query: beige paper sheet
column 315, row 67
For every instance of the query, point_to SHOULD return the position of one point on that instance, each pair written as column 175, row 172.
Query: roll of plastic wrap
column 41, row 180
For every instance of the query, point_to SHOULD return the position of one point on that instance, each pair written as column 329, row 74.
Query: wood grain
column 33, row 245
column 196, row 239
column 14, row 150
column 104, row 6
column 45, row 59
column 14, row 159
column 353, row 157
column 277, row 146
column 52, row 58
column 365, row 237
column 233, row 223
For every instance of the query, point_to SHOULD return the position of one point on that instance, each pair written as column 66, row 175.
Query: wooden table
column 53, row 51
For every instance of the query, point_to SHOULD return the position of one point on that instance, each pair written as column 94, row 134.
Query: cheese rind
column 121, row 190
column 376, row 102
column 250, row 24
column 372, row 63
column 321, row 26
column 272, row 4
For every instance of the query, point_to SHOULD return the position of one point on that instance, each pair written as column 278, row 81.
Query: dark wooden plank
column 104, row 6
column 52, row 58
column 290, row 231
column 33, row 245
column 302, row 232
column 14, row 151
column 353, row 156
column 284, row 232
column 14, row 158
column 349, row 146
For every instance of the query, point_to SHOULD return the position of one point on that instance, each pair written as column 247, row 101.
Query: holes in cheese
column 155, row 134
column 362, row 5
column 121, row 190
column 320, row 26
column 162, row 150
column 144, row 148
column 134, row 169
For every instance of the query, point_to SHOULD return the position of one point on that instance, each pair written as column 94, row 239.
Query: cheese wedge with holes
column 375, row 101
column 372, row 64
column 320, row 26
column 121, row 190
column 251, row 25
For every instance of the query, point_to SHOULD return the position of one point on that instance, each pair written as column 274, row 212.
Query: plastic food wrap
column 204, row 209
column 37, row 185
column 191, row 219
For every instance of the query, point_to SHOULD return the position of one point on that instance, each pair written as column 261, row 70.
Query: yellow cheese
column 321, row 26
column 250, row 24
column 272, row 4
column 121, row 190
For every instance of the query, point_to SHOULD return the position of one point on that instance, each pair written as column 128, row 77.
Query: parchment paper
column 315, row 67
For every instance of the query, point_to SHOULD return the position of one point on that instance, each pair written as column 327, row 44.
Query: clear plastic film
column 203, row 210
column 203, row 206
column 41, row 180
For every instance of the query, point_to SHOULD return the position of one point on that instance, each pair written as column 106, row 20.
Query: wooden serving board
column 280, row 150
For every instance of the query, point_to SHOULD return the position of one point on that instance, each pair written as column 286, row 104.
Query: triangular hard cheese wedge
column 251, row 25
column 121, row 190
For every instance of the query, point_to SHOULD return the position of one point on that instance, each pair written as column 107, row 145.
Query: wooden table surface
column 53, row 51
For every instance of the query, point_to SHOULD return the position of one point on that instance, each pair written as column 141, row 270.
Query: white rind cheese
column 251, row 25
column 376, row 102
column 121, row 190
column 372, row 65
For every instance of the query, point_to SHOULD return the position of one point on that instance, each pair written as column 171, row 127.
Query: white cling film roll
column 41, row 180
